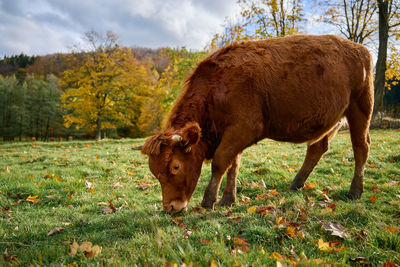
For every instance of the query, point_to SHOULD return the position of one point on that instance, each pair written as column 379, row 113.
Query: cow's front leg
column 225, row 155
column 229, row 195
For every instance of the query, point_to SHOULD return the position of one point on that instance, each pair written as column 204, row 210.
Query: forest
column 111, row 90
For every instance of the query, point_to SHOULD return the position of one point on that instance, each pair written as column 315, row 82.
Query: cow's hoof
column 226, row 202
column 209, row 205
column 295, row 187
column 354, row 194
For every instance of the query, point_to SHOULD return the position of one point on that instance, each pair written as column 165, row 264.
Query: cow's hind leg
column 229, row 195
column 359, row 130
column 313, row 155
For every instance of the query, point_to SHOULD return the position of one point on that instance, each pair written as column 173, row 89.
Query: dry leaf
column 88, row 185
column 13, row 259
column 204, row 241
column 254, row 185
column 389, row 264
column 329, row 246
column 290, row 231
column 106, row 210
column 273, row 192
column 309, row 186
column 116, row 185
column 187, row 233
column 236, row 219
column 373, row 199
column 245, row 199
column 392, row 229
column 74, row 248
column 336, row 228
column 239, row 241
column 281, row 201
column 33, row 199
column 55, row 231
column 213, row 263
column 144, row 185
column 262, row 196
column 93, row 252
column 252, row 209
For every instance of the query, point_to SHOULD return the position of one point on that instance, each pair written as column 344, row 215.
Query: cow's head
column 175, row 161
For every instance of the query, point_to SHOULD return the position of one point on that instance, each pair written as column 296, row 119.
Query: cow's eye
column 176, row 167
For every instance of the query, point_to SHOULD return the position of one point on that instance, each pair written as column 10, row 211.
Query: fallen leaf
column 213, row 263
column 106, row 210
column 254, row 185
column 373, row 199
column 92, row 190
column 389, row 264
column 262, row 196
column 114, row 209
column 88, row 185
column 144, row 185
column 74, row 248
column 392, row 229
column 33, row 199
column 116, row 185
column 361, row 235
column 360, row 260
column 13, row 259
column 93, row 252
column 332, row 206
column 239, row 241
column 187, row 233
column 375, row 188
column 336, row 228
column 252, row 209
column 204, row 241
column 290, row 231
column 55, row 231
column 372, row 165
column 236, row 219
column 273, row 192
column 309, row 186
column 245, row 199
column 281, row 201
column 329, row 246
column 394, row 202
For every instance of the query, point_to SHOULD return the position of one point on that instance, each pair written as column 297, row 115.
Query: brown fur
column 294, row 89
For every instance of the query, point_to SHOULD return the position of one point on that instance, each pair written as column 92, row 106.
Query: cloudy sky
column 37, row 27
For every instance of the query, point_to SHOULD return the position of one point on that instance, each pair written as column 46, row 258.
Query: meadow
column 93, row 203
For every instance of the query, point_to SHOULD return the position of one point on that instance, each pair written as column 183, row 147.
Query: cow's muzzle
column 176, row 206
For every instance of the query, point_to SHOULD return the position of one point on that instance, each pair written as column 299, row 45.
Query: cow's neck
column 190, row 108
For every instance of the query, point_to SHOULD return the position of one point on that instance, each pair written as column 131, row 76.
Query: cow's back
column 289, row 89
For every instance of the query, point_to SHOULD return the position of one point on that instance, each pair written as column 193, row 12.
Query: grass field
column 70, row 184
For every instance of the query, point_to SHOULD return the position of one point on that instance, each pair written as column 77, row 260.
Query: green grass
column 141, row 233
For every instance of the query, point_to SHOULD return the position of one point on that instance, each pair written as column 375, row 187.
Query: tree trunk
column 98, row 130
column 382, row 55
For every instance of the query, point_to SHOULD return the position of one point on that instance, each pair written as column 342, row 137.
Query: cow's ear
column 191, row 134
column 152, row 145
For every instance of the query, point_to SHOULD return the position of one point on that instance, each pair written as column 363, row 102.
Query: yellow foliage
column 104, row 89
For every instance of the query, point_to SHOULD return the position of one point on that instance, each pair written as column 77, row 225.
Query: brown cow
column 293, row 89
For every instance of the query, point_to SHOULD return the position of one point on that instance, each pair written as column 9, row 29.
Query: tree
column 104, row 85
column 389, row 26
column 162, row 96
column 355, row 19
column 261, row 19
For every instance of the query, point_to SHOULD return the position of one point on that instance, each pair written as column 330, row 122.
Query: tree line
column 106, row 89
